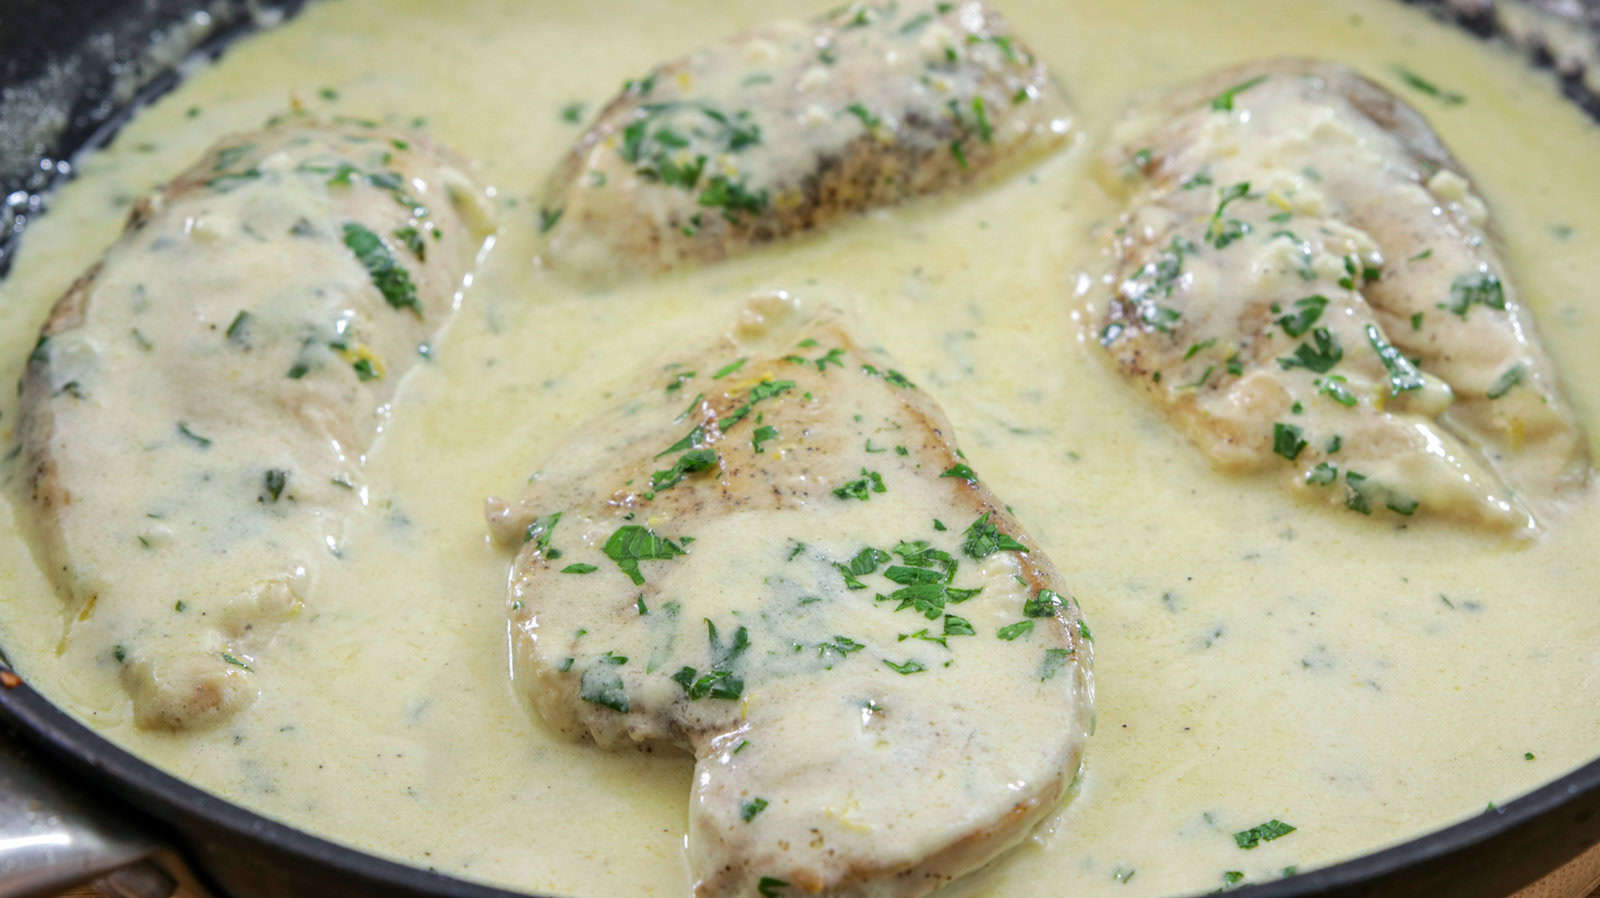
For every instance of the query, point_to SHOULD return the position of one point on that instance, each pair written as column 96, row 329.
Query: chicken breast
column 1307, row 282
column 775, row 557
column 200, row 403
column 791, row 125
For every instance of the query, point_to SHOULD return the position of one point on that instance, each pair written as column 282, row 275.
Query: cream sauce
column 1254, row 660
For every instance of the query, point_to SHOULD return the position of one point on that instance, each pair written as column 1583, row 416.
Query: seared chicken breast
column 791, row 125
column 775, row 557
column 200, row 403
column 1307, row 283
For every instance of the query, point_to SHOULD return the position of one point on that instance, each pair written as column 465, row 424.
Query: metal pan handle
column 53, row 836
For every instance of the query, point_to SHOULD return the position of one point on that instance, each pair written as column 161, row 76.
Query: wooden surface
column 1579, row 879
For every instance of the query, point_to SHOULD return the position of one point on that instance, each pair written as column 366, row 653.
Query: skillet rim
column 76, row 746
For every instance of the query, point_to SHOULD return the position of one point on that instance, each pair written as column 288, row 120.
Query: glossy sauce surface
column 1257, row 658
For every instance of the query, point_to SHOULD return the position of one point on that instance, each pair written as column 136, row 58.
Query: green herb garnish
column 1014, row 631
column 693, row 461
column 632, row 543
column 1266, row 832
column 1403, row 375
column 602, row 684
column 862, row 487
column 984, row 539
column 273, row 482
column 1287, row 440
column 392, row 281
column 1223, row 102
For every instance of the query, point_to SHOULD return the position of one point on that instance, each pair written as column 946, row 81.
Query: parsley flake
column 632, row 543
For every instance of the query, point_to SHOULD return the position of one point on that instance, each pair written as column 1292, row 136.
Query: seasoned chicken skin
column 775, row 557
column 198, row 408
column 1306, row 282
column 791, row 125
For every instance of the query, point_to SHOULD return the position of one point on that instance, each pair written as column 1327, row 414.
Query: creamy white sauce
column 1255, row 659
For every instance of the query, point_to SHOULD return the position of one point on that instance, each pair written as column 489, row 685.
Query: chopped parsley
column 907, row 668
column 273, row 482
column 632, row 543
column 1334, row 388
column 1401, row 505
column 719, row 680
column 1319, row 358
column 865, row 562
column 962, row 471
column 1358, row 493
column 1223, row 102
column 1266, row 832
column 602, row 684
column 579, row 567
column 733, row 197
column 1287, row 440
column 678, row 380
column 961, row 160
column 539, row 533
column 1156, row 277
column 1422, row 85
column 749, row 809
column 916, row 23
column 411, row 239
column 238, row 332
column 392, row 281
column 691, row 462
column 1044, row 603
column 955, row 625
column 227, row 181
column 1476, row 288
column 1015, row 631
column 983, row 539
column 764, row 390
column 1322, row 475
column 1403, row 375
column 1054, row 660
column 1222, row 231
column 980, row 118
column 1505, row 382
column 895, row 378
column 1306, row 312
column 862, row 487
column 927, row 597
column 861, row 112
column 191, row 436
column 762, row 434
column 844, row 645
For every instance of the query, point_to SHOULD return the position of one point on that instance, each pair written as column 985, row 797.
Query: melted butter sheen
column 1257, row 658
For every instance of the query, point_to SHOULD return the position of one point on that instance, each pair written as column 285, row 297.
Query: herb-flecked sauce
column 1261, row 662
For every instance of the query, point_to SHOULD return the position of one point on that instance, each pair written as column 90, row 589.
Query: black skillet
column 83, row 806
